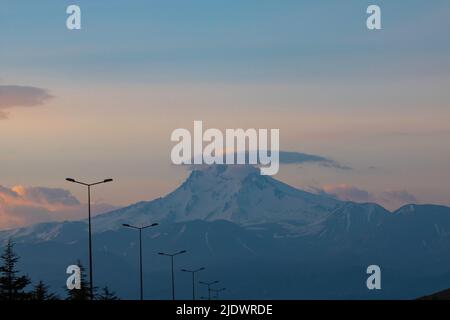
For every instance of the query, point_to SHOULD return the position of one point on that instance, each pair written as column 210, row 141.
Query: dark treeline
column 17, row 286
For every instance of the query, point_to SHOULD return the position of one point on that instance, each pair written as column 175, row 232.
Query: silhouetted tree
column 83, row 293
column 106, row 294
column 41, row 292
column 12, row 286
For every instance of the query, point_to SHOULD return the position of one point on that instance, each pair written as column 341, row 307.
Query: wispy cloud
column 391, row 199
column 348, row 193
column 21, row 96
column 292, row 157
column 21, row 206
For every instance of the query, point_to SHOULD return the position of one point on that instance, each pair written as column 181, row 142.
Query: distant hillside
column 441, row 295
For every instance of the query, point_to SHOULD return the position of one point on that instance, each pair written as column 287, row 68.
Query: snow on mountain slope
column 355, row 219
column 420, row 224
column 235, row 193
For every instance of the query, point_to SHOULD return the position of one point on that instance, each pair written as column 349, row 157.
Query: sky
column 102, row 101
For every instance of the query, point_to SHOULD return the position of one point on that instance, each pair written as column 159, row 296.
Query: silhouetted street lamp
column 140, row 250
column 217, row 291
column 173, row 276
column 193, row 279
column 89, row 185
column 208, row 284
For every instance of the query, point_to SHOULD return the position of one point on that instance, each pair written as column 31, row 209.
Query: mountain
column 234, row 193
column 262, row 238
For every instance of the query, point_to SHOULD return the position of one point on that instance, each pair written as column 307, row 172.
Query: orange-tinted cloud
column 396, row 198
column 21, row 206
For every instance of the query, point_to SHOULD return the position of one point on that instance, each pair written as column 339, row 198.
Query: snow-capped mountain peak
column 235, row 193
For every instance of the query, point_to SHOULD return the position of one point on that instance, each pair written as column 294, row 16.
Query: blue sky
column 222, row 40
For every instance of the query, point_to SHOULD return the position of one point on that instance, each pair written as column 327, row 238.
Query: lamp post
column 89, row 185
column 208, row 284
column 172, row 255
column 217, row 291
column 140, row 250
column 193, row 272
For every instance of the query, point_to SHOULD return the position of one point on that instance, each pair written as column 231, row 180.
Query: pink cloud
column 396, row 198
column 390, row 199
column 348, row 193
column 21, row 96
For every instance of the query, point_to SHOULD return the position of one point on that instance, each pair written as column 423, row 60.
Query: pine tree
column 106, row 294
column 12, row 286
column 84, row 292
column 41, row 293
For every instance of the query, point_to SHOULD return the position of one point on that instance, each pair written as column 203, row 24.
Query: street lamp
column 193, row 279
column 172, row 255
column 217, row 291
column 208, row 284
column 140, row 250
column 89, row 185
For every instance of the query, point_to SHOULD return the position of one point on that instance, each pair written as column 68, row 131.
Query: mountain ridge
column 241, row 195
